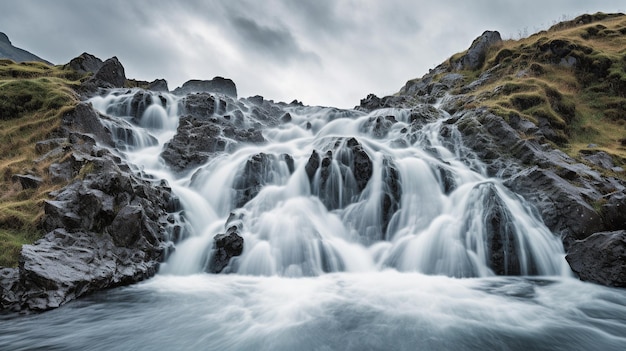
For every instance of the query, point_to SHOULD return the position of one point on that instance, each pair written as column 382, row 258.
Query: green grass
column 33, row 97
column 584, row 103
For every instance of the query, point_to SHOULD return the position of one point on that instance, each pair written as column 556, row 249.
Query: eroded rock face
column 107, row 228
column 346, row 160
column 600, row 258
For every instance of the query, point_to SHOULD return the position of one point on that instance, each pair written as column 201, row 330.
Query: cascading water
column 356, row 230
column 334, row 190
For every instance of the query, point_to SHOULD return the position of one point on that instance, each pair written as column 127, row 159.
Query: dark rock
column 379, row 126
column 614, row 211
column 500, row 232
column 353, row 168
column 392, row 189
column 225, row 247
column 105, row 229
column 475, row 56
column 194, row 143
column 85, row 119
column 361, row 166
column 138, row 105
column 600, row 258
column 28, row 181
column 259, row 170
column 111, row 74
column 371, row 103
column 85, row 63
column 216, row 85
column 199, row 105
column 158, row 85
column 598, row 158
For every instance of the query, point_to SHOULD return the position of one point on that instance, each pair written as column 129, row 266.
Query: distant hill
column 7, row 50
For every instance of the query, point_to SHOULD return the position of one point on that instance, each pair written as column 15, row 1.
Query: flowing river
column 361, row 232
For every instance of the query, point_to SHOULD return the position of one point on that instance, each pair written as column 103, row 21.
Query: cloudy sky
column 321, row 52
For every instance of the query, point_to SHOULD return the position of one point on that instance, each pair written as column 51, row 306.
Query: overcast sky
column 321, row 52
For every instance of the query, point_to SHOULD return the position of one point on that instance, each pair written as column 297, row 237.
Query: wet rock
column 225, row 247
column 216, row 85
column 361, row 166
column 87, row 120
column 199, row 105
column 600, row 258
column 501, row 236
column 614, row 211
column 194, row 143
column 379, row 126
column 598, row 158
column 392, row 193
column 259, row 170
column 138, row 105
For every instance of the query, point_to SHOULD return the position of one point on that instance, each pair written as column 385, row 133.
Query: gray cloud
column 322, row 52
column 274, row 43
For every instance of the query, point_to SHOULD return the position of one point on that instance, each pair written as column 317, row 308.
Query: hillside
column 570, row 80
column 33, row 96
column 8, row 51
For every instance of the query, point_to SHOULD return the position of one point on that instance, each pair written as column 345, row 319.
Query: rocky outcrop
column 212, row 124
column 158, row 85
column 108, row 227
column 110, row 75
column 600, row 258
column 225, row 247
column 85, row 63
column 216, row 85
column 259, row 170
column 475, row 56
column 353, row 167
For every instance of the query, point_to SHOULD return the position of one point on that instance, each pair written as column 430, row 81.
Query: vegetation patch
column 571, row 77
column 33, row 98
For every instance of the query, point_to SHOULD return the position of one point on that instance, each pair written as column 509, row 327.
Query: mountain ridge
column 8, row 51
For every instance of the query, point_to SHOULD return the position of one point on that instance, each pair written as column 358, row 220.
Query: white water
column 311, row 278
column 293, row 228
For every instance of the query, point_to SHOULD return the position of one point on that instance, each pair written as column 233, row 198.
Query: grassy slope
column 584, row 99
column 33, row 96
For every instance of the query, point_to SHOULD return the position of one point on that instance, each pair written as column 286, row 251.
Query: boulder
column 111, row 73
column 225, row 247
column 600, row 258
column 218, row 85
column 28, row 181
column 85, row 63
column 475, row 56
column 259, row 170
column 158, row 85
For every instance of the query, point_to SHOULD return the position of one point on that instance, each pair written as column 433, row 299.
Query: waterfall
column 335, row 191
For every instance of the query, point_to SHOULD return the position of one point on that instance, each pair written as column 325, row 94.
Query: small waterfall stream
column 340, row 191
column 362, row 231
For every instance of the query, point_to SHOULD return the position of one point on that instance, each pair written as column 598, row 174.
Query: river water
column 398, row 259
